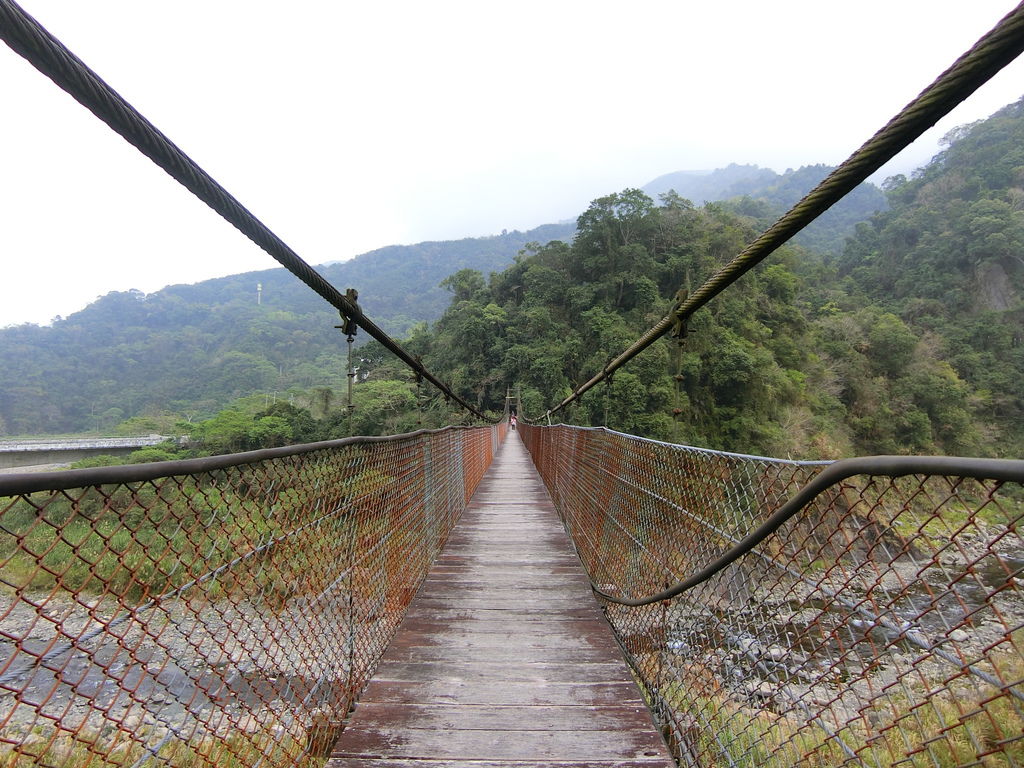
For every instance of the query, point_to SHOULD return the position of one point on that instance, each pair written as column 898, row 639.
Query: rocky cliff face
column 999, row 284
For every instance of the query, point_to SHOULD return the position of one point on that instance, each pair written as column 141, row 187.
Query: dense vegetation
column 386, row 400
column 906, row 341
column 948, row 261
column 192, row 349
column 910, row 342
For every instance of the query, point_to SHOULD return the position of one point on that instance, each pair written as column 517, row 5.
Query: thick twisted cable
column 1003, row 470
column 990, row 54
column 47, row 54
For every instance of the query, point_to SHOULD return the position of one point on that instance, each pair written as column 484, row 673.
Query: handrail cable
column 991, row 53
column 1003, row 470
column 47, row 54
column 24, row 483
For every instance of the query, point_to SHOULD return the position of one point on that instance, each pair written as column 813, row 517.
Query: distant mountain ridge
column 194, row 348
column 777, row 193
column 701, row 187
column 399, row 285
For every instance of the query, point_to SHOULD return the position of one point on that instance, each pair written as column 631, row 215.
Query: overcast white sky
column 348, row 126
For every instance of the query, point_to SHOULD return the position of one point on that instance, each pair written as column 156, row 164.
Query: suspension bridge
column 475, row 596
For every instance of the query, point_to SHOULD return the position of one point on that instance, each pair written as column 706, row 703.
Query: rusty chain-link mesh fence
column 216, row 612
column 881, row 625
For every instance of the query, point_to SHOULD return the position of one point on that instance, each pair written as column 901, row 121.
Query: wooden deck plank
column 398, row 742
column 518, row 694
column 510, row 718
column 525, row 654
column 504, row 658
column 509, row 671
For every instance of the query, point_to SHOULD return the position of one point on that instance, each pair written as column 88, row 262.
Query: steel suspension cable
column 990, row 54
column 32, row 41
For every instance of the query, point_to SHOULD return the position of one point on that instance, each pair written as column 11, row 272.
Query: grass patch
column 947, row 729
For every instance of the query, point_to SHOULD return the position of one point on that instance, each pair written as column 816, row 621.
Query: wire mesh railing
column 215, row 612
column 881, row 624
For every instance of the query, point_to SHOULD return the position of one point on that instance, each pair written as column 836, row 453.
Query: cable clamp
column 348, row 324
column 679, row 329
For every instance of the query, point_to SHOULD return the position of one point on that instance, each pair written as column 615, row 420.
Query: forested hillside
column 948, row 260
column 910, row 342
column 191, row 349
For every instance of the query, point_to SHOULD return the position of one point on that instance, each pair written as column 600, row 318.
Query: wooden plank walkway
column 504, row 659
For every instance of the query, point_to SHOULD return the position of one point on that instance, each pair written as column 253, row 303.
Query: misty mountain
column 399, row 285
column 765, row 194
column 701, row 187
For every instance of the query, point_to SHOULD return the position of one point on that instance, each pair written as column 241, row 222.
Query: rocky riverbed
column 848, row 647
column 184, row 670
